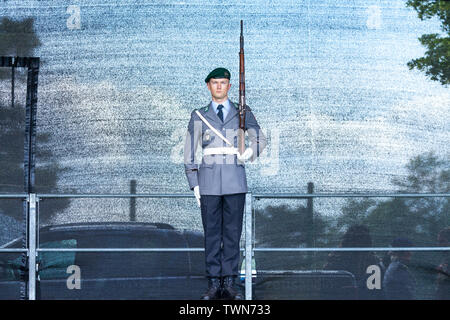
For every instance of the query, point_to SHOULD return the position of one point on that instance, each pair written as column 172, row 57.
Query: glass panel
column 353, row 223
column 12, row 277
column 350, row 222
column 163, row 213
column 107, row 223
column 12, row 223
column 351, row 275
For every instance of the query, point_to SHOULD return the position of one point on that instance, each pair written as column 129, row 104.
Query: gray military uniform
column 219, row 174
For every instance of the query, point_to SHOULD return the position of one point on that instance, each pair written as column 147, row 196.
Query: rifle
column 242, row 105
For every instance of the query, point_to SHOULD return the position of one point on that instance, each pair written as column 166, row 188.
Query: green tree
column 428, row 174
column 355, row 212
column 436, row 62
column 17, row 38
column 417, row 218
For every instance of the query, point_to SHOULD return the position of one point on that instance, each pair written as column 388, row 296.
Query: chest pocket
column 208, row 136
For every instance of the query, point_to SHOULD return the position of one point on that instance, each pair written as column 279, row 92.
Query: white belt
column 220, row 150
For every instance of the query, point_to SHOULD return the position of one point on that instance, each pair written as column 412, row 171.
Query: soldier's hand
column 248, row 153
column 197, row 194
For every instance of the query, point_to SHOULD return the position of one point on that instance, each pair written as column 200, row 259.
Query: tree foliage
column 436, row 62
column 419, row 219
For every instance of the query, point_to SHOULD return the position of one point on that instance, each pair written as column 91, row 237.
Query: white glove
column 197, row 194
column 248, row 153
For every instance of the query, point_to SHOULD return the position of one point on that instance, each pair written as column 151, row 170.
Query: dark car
column 112, row 275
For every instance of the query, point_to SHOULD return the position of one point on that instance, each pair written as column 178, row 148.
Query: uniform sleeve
column 190, row 148
column 257, row 139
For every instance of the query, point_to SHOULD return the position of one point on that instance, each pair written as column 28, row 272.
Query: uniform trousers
column 222, row 224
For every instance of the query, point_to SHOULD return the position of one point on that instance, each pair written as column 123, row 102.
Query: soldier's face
column 219, row 88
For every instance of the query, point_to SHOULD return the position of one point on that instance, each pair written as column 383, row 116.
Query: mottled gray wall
column 327, row 80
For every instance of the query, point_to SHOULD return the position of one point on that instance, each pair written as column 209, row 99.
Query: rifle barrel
column 241, row 140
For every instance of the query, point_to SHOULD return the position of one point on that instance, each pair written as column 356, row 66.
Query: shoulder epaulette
column 202, row 108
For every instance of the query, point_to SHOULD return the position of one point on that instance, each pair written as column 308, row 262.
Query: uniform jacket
column 219, row 174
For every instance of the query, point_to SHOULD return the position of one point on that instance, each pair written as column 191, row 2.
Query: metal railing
column 33, row 249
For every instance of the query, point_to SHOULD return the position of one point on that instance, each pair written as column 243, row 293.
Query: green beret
column 218, row 73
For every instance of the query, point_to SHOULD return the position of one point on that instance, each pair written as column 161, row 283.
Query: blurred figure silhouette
column 398, row 282
column 443, row 276
column 357, row 262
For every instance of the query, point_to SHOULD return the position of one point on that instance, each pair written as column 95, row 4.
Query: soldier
column 219, row 182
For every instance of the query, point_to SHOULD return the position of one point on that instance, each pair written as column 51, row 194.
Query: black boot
column 229, row 289
column 214, row 289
